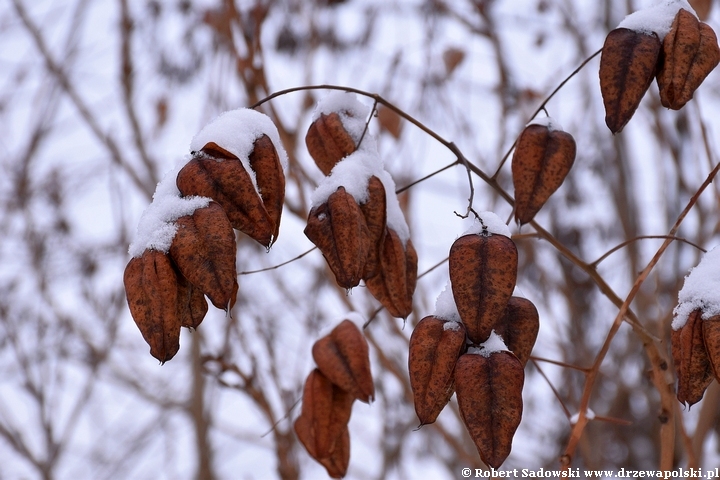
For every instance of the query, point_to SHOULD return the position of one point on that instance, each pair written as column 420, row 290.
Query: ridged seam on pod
column 395, row 284
column 540, row 163
column 483, row 273
column 627, row 67
column 432, row 353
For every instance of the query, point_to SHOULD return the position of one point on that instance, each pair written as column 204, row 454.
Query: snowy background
column 99, row 99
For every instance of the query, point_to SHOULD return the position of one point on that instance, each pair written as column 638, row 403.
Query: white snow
column 548, row 122
column 395, row 218
column 352, row 112
column 589, row 414
column 490, row 222
column 701, row 290
column 493, row 344
column 657, row 18
column 451, row 325
column 353, row 173
column 236, row 132
column 156, row 228
column 445, row 307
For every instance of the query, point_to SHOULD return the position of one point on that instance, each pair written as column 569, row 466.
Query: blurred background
column 100, row 98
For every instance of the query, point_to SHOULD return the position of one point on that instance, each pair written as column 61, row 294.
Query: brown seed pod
column 483, row 272
column 326, row 408
column 541, row 161
column 151, row 288
column 265, row 162
column 690, row 52
column 192, row 306
column 435, row 346
column 692, row 364
column 395, row 284
column 489, row 393
column 220, row 175
column 328, row 142
column 343, row 357
column 627, row 66
column 519, row 327
column 337, row 463
column 375, row 213
column 204, row 251
column 337, row 227
column 711, row 338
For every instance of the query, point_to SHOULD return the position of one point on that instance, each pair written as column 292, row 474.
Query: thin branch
column 249, row 272
column 146, row 184
column 429, row 175
column 643, row 237
column 552, row 387
column 559, row 364
column 592, row 376
column 542, row 107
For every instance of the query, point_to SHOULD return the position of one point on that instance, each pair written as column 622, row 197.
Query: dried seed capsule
column 151, row 288
column 337, row 227
column 328, row 142
column 519, row 327
column 627, row 66
column 326, row 408
column 204, row 251
column 394, row 285
column 489, row 393
column 343, row 357
column 220, row 175
column 483, row 272
column 375, row 213
column 542, row 159
column 692, row 364
column 690, row 52
column 265, row 162
column 435, row 346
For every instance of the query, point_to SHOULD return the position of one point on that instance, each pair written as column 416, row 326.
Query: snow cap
column 491, row 222
column 353, row 173
column 236, row 132
column 657, row 18
column 548, row 122
column 352, row 112
column 701, row 290
column 445, row 307
column 493, row 344
column 156, row 228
